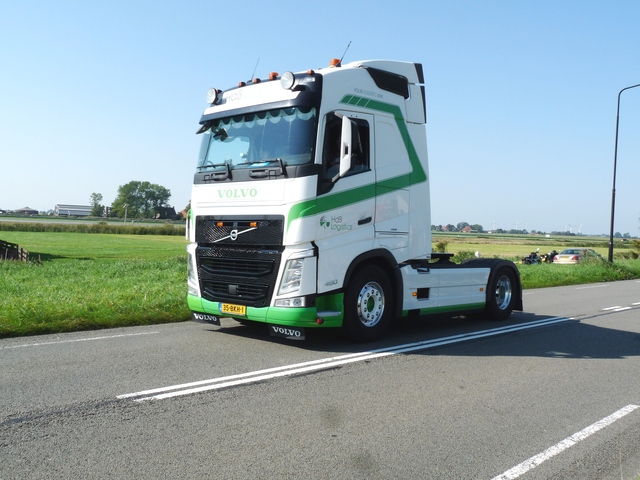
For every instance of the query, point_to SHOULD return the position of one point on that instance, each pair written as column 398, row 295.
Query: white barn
column 72, row 210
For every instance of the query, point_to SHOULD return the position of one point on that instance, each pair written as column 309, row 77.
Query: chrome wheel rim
column 503, row 292
column 370, row 304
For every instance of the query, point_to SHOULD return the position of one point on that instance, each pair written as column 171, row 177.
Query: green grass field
column 82, row 281
column 91, row 281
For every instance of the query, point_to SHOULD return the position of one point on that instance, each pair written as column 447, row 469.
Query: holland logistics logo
column 335, row 223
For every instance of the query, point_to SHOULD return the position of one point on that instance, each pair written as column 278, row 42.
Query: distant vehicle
column 532, row 259
column 571, row 256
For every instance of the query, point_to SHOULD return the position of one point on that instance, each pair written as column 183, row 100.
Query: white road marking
column 592, row 286
column 106, row 337
column 536, row 460
column 617, row 308
column 325, row 363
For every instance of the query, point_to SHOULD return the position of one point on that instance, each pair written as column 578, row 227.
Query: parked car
column 576, row 255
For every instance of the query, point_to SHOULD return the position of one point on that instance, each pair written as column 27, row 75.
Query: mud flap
column 290, row 333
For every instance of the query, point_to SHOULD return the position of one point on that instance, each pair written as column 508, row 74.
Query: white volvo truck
column 310, row 208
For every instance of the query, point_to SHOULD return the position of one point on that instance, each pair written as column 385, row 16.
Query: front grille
column 242, row 230
column 245, row 294
column 242, row 267
column 246, row 276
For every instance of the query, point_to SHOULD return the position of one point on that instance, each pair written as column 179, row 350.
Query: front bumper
column 293, row 317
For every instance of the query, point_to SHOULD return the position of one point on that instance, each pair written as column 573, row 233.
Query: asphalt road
column 551, row 393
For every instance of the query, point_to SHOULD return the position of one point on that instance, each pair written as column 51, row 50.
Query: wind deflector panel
column 391, row 82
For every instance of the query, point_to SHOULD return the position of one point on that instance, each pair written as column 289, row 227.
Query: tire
column 501, row 294
column 368, row 304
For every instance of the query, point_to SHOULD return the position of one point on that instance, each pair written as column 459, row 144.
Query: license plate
column 232, row 309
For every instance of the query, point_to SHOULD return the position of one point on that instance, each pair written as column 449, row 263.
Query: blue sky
column 521, row 107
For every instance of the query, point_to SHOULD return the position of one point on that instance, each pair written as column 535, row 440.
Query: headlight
column 292, row 302
column 192, row 275
column 287, row 80
column 292, row 276
column 212, row 95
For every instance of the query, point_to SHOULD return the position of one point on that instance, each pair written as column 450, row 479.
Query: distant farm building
column 26, row 211
column 72, row 210
column 165, row 213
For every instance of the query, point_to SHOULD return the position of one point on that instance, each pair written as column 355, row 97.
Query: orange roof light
column 273, row 75
column 335, row 62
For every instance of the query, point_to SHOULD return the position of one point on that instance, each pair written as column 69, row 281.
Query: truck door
column 346, row 195
column 392, row 193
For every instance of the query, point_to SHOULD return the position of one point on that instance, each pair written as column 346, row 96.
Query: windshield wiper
column 261, row 172
column 218, row 175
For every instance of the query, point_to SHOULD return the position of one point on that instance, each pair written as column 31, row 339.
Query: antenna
column 254, row 69
column 345, row 52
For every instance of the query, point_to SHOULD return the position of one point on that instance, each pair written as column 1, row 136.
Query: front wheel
column 368, row 304
column 501, row 295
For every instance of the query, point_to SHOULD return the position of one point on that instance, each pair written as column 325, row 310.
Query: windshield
column 285, row 135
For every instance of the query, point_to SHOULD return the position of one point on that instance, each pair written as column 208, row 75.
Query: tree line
column 134, row 200
column 464, row 227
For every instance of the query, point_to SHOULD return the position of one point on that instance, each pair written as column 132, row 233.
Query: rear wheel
column 501, row 294
column 368, row 304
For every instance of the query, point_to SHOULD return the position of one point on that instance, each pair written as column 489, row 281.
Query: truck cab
column 310, row 207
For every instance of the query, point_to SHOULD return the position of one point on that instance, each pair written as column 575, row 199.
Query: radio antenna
column 254, row 69
column 345, row 52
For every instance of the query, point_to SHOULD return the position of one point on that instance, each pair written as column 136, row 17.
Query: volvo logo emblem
column 233, row 235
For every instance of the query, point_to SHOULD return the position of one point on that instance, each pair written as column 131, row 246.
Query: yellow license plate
column 232, row 309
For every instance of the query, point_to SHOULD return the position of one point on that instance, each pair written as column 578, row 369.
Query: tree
column 97, row 208
column 139, row 199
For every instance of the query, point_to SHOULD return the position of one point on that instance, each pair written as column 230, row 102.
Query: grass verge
column 88, row 282
column 550, row 275
column 90, row 294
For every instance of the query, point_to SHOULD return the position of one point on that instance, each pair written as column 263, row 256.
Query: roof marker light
column 335, row 62
column 273, row 76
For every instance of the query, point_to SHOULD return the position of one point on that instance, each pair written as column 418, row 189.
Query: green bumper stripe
column 448, row 309
column 292, row 317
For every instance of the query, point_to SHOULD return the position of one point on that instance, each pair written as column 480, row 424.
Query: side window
column 331, row 147
column 360, row 142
